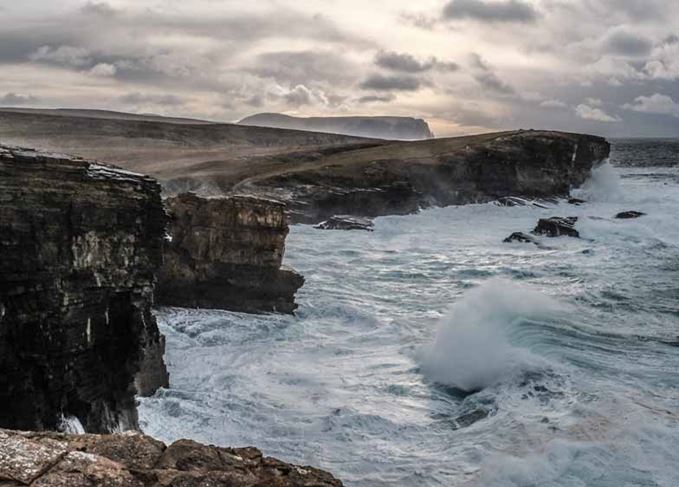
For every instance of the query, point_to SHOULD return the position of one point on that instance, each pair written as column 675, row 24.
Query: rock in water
column 576, row 201
column 80, row 243
column 523, row 238
column 627, row 215
column 346, row 222
column 557, row 227
column 136, row 460
column 226, row 253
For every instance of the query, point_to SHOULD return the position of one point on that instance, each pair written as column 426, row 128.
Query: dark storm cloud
column 487, row 78
column 627, row 44
column 407, row 63
column 379, row 82
column 490, row 11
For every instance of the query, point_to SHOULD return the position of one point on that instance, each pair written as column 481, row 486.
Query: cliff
column 226, row 253
column 135, row 460
column 79, row 243
column 391, row 128
column 402, row 177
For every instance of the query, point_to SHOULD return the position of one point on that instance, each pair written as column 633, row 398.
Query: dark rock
column 136, row 460
column 626, row 215
column 80, row 243
column 523, row 238
column 345, row 222
column 576, row 201
column 557, row 227
column 226, row 253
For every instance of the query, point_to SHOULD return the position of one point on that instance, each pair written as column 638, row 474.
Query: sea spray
column 473, row 348
column 602, row 186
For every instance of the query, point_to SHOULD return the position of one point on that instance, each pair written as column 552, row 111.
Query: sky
column 609, row 67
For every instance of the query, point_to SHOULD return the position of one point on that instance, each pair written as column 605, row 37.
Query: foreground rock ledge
column 227, row 253
column 136, row 460
column 79, row 245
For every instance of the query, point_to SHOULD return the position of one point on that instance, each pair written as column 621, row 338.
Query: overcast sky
column 601, row 66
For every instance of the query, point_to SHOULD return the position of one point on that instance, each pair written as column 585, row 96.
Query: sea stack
column 227, row 253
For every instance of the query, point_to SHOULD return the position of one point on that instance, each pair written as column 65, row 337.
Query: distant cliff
column 390, row 128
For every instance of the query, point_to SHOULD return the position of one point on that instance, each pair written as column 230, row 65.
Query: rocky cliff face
column 400, row 178
column 390, row 128
column 226, row 253
column 135, row 460
column 79, row 245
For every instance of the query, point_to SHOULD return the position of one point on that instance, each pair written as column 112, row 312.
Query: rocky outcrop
column 392, row 128
column 226, row 253
column 402, row 177
column 628, row 215
column 557, row 226
column 135, row 460
column 345, row 222
column 79, row 245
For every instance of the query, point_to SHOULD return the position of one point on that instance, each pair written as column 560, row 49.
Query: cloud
column 379, row 82
column 664, row 60
column 298, row 67
column 655, row 104
column 73, row 56
column 17, row 99
column 587, row 112
column 407, row 63
column 140, row 99
column 487, row 78
column 626, row 43
column 553, row 104
column 490, row 11
column 103, row 70
column 377, row 98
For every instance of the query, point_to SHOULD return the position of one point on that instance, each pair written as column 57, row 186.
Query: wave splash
column 473, row 348
column 603, row 185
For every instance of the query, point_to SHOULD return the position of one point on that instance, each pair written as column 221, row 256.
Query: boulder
column 346, row 222
column 627, row 215
column 557, row 226
column 576, row 201
column 80, row 243
column 136, row 460
column 226, row 253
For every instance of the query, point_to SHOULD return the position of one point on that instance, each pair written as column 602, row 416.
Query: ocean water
column 429, row 353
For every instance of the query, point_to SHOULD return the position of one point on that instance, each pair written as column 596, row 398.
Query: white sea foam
column 603, row 185
column 472, row 349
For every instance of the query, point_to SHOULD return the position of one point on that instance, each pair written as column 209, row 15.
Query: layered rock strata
column 80, row 243
column 135, row 460
column 227, row 253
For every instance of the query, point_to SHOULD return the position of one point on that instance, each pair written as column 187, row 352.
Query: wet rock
column 136, row 460
column 557, row 226
column 345, row 222
column 576, row 201
column 627, row 215
column 80, row 243
column 516, row 201
column 226, row 253
column 523, row 238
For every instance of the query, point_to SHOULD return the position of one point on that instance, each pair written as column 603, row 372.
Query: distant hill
column 390, row 128
column 103, row 114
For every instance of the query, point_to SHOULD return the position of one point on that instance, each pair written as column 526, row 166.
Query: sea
column 430, row 353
